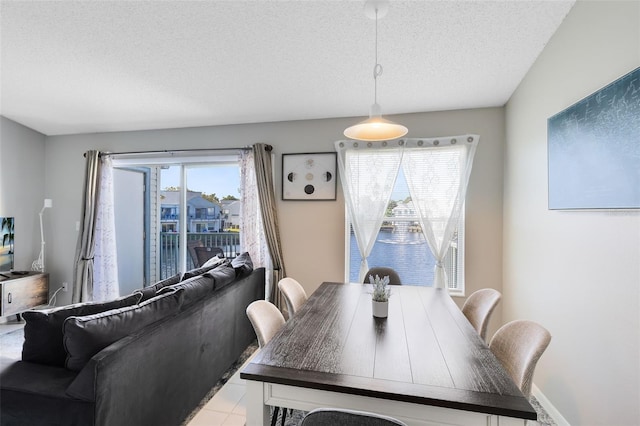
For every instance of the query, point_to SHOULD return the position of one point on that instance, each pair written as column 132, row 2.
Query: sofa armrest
column 32, row 378
column 34, row 394
column 83, row 387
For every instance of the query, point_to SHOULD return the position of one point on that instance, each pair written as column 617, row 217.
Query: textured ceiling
column 94, row 66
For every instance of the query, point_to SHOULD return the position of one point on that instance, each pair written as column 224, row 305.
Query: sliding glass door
column 190, row 212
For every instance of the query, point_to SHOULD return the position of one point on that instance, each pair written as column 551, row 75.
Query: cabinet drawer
column 24, row 293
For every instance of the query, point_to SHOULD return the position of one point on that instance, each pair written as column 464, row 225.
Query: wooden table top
column 425, row 352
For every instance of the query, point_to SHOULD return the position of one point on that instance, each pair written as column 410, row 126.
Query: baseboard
column 549, row 407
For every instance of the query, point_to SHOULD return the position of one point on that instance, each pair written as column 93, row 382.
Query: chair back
column 519, row 345
column 266, row 320
column 478, row 308
column 383, row 271
column 294, row 294
column 191, row 248
column 205, row 253
column 334, row 416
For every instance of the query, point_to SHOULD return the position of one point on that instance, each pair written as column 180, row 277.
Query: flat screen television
column 7, row 237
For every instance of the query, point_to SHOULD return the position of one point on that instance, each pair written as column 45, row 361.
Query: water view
column 406, row 252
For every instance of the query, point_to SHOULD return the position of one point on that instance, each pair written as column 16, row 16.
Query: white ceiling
column 94, row 66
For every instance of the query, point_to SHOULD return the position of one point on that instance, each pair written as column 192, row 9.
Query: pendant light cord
column 377, row 69
column 375, row 128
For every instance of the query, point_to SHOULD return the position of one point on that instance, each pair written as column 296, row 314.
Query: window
column 158, row 223
column 401, row 245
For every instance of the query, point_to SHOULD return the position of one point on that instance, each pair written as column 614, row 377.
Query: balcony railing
column 229, row 242
column 166, row 216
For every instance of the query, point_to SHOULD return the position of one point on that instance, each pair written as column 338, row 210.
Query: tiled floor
column 227, row 407
column 8, row 327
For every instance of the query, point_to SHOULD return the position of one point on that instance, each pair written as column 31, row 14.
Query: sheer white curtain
column 105, row 265
column 252, row 237
column 437, row 173
column 368, row 172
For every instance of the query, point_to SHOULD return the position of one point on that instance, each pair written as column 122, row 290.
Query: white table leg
column 258, row 414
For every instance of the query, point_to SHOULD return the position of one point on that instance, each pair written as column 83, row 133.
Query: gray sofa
column 183, row 337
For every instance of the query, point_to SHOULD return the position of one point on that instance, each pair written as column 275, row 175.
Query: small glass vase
column 380, row 309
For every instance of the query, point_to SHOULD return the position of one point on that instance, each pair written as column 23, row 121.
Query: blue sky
column 401, row 191
column 219, row 180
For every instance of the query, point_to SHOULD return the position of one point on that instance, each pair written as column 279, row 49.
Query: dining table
column 423, row 364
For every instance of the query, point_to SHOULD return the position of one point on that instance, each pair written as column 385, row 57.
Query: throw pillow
column 243, row 265
column 195, row 288
column 149, row 292
column 43, row 329
column 222, row 276
column 85, row 336
column 199, row 271
column 214, row 261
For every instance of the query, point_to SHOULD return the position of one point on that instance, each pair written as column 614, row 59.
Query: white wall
column 22, row 188
column 312, row 232
column 575, row 272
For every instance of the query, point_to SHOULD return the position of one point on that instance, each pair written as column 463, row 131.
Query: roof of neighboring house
column 194, row 198
column 201, row 203
column 233, row 206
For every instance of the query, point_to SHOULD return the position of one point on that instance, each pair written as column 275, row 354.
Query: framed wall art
column 309, row 176
column 594, row 149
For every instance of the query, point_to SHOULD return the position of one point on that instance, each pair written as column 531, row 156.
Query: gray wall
column 312, row 232
column 575, row 272
column 22, row 188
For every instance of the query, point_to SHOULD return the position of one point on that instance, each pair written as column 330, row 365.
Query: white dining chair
column 294, row 294
column 478, row 308
column 519, row 345
column 266, row 320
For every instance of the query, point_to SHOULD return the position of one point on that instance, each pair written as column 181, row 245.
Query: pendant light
column 376, row 128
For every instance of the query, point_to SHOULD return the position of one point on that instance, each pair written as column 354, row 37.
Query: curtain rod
column 268, row 148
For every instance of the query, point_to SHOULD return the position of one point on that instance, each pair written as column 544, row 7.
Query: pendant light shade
column 376, row 128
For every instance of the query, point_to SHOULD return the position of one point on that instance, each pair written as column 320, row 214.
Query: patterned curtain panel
column 437, row 173
column 105, row 258
column 96, row 268
column 252, row 236
column 368, row 172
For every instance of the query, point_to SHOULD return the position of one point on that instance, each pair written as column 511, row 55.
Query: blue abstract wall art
column 594, row 149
